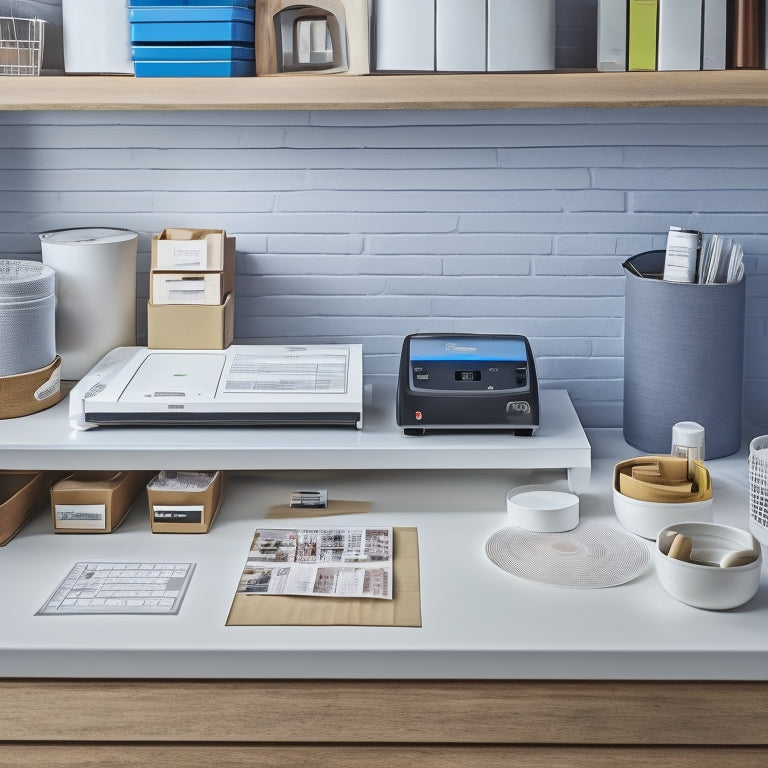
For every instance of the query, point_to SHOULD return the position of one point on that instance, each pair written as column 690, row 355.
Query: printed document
column 96, row 587
column 321, row 370
column 326, row 562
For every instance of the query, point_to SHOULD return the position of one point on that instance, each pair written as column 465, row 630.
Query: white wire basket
column 21, row 45
column 758, row 488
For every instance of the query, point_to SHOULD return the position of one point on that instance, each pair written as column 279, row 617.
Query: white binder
column 405, row 35
column 521, row 35
column 460, row 35
column 612, row 35
column 679, row 46
column 713, row 38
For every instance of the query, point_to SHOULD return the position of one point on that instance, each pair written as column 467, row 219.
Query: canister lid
column 95, row 235
column 22, row 280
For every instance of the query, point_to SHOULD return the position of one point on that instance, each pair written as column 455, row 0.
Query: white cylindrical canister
column 95, row 293
column 27, row 317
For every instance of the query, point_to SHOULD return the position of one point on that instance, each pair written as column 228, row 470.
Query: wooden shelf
column 467, row 91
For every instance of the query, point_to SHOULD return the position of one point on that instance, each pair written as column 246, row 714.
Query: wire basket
column 758, row 488
column 21, row 45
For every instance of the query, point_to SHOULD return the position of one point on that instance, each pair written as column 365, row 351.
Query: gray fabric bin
column 683, row 358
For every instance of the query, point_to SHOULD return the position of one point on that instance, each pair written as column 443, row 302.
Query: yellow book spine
column 643, row 23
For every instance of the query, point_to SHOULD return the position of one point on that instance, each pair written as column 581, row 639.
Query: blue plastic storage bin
column 192, row 24
column 167, row 3
column 234, row 68
column 190, row 53
column 198, row 13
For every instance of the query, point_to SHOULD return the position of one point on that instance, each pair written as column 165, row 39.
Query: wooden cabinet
column 430, row 724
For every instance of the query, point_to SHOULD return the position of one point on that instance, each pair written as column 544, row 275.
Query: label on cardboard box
column 183, row 254
column 171, row 513
column 81, row 516
column 186, row 288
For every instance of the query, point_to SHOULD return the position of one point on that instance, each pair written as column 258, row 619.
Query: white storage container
column 95, row 293
column 405, row 35
column 521, row 35
column 27, row 316
column 97, row 36
column 460, row 35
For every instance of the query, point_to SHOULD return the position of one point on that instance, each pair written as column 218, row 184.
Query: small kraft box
column 178, row 249
column 21, row 495
column 95, row 502
column 185, row 502
column 191, row 326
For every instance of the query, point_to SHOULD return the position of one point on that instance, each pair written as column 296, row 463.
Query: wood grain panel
column 510, row 712
column 473, row 91
column 344, row 756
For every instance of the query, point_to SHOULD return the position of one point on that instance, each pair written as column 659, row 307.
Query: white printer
column 245, row 385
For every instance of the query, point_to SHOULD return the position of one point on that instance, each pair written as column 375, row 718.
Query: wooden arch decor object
column 349, row 21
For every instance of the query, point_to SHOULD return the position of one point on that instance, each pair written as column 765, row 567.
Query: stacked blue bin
column 192, row 38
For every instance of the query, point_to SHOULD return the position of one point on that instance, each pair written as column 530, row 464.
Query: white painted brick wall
column 366, row 226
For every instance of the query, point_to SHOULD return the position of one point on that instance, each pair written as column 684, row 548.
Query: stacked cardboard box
column 191, row 290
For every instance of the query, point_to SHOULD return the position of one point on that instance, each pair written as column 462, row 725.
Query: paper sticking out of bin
column 185, row 502
column 683, row 358
column 199, row 38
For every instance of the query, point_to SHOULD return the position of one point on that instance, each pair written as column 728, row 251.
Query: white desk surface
column 478, row 621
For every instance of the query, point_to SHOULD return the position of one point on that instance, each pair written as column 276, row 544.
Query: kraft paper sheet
column 404, row 610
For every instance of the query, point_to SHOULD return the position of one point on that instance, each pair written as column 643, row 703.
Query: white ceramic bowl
column 709, row 586
column 647, row 518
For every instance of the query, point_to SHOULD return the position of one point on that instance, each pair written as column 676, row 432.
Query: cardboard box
column 192, row 250
column 189, row 287
column 21, row 495
column 191, row 326
column 185, row 509
column 94, row 502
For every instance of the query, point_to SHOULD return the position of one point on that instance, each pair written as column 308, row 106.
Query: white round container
column 95, row 293
column 27, row 316
column 647, row 518
column 710, row 586
column 539, row 508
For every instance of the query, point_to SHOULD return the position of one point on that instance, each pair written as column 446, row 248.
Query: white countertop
column 478, row 621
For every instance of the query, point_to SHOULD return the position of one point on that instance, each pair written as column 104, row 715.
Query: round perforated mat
column 592, row 555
